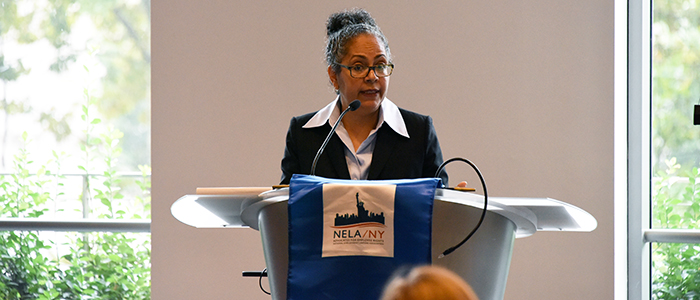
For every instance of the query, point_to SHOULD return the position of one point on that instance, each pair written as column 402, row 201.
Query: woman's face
column 367, row 50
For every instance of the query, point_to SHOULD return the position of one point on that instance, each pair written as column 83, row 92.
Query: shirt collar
column 388, row 113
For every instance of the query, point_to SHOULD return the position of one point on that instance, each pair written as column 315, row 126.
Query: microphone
column 354, row 105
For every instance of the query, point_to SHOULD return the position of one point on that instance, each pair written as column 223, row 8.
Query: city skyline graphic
column 362, row 218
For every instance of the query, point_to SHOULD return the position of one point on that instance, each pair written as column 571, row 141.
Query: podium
column 483, row 261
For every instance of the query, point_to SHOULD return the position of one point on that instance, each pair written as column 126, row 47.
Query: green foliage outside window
column 84, row 266
column 676, row 205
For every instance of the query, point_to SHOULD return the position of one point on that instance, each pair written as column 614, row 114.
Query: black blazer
column 394, row 156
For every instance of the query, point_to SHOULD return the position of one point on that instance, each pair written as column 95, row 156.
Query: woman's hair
column 342, row 27
column 428, row 283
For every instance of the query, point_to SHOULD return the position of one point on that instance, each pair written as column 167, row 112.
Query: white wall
column 524, row 89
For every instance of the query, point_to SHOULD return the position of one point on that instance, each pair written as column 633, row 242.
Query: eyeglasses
column 361, row 71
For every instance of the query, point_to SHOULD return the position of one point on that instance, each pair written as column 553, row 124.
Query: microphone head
column 354, row 105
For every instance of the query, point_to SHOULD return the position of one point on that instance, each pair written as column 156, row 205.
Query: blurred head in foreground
column 428, row 283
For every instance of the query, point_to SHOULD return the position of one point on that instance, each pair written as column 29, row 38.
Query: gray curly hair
column 342, row 27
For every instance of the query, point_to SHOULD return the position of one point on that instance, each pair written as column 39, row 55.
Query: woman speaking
column 377, row 140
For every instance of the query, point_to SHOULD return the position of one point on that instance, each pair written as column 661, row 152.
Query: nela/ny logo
column 347, row 225
column 358, row 220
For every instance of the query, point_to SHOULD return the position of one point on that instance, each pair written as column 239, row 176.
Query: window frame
column 85, row 225
column 636, row 160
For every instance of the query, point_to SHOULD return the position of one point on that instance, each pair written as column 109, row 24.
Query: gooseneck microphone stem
column 351, row 107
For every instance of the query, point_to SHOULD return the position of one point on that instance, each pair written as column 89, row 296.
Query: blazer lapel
column 336, row 153
column 386, row 141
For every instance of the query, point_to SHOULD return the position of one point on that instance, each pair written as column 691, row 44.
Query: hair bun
column 340, row 20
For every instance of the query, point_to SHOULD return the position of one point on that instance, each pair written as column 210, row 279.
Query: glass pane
column 675, row 143
column 60, row 265
column 675, row 271
column 74, row 144
column 675, row 91
column 75, row 109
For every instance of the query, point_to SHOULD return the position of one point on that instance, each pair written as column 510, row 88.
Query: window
column 675, row 146
column 74, row 149
column 656, row 171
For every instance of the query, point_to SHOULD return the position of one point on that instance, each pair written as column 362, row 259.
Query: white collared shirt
column 358, row 161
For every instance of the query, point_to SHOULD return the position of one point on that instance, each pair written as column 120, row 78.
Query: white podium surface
column 483, row 262
column 240, row 207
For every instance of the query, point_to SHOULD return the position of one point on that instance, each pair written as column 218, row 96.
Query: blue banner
column 346, row 237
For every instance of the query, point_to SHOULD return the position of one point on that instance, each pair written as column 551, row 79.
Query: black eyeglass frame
column 372, row 68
